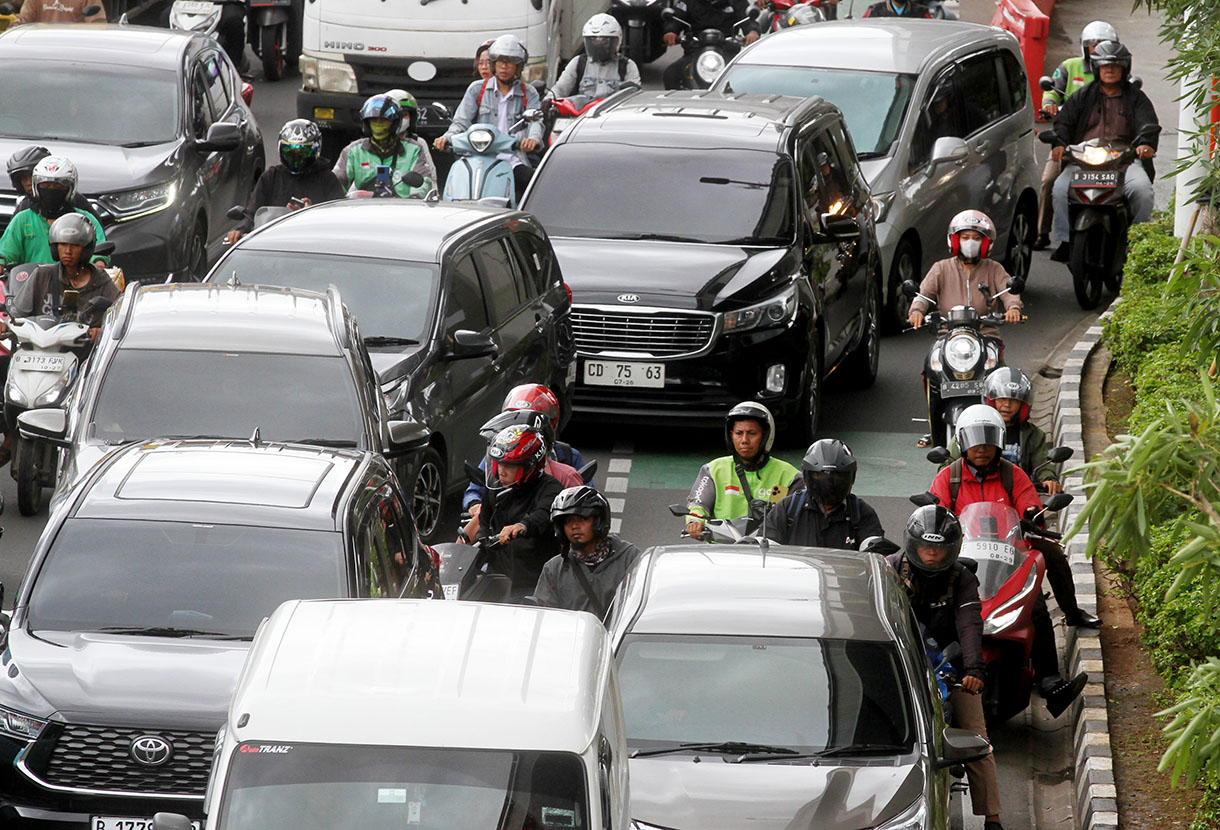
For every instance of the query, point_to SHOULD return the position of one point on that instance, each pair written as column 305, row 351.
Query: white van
column 406, row 714
column 356, row 48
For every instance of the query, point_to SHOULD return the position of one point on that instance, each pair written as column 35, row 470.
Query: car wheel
column 1020, row 251
column 29, row 485
column 803, row 425
column 905, row 267
column 428, row 494
column 197, row 255
column 862, row 363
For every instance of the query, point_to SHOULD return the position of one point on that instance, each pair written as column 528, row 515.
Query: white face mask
column 970, row 248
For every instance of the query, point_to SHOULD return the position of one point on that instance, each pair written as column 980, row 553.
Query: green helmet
column 410, row 108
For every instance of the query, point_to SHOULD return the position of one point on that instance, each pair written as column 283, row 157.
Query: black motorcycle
column 709, row 51
column 642, row 31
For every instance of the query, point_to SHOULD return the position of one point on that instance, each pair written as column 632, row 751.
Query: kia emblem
column 628, row 298
column 151, row 750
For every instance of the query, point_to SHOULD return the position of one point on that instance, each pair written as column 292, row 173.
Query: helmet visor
column 298, row 157
column 976, row 435
column 830, row 487
column 600, row 49
column 502, row 475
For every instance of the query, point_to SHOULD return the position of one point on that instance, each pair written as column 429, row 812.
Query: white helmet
column 601, row 25
column 602, row 35
column 55, row 200
column 508, row 48
column 1095, row 32
column 978, row 425
column 970, row 220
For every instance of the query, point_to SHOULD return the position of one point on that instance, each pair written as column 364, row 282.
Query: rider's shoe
column 1060, row 693
column 1042, row 242
column 1062, row 254
column 1082, row 619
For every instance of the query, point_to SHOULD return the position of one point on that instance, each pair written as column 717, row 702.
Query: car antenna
column 257, row 438
column 233, row 280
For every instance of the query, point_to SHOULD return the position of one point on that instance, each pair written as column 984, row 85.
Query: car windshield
column 179, row 579
column 151, row 393
column 390, row 788
column 390, row 298
column 58, row 100
column 738, row 197
column 873, row 103
column 804, row 693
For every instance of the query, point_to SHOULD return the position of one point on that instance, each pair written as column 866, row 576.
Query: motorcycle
column 270, row 26
column 477, row 173
column 706, row 53
column 960, row 358
column 642, row 28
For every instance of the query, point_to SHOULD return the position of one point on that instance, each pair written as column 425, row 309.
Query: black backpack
column 583, row 60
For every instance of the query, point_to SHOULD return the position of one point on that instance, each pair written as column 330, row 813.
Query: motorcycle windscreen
column 990, row 533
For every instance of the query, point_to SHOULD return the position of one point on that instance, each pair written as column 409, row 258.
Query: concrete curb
column 1096, row 805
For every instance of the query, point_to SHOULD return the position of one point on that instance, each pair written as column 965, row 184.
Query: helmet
column 410, row 110
column 830, row 470
column 932, row 526
column 1007, row 382
column 300, row 144
column 971, row 220
column 508, row 48
column 979, row 425
column 72, row 229
column 801, row 14
column 750, row 411
column 522, row 446
column 519, row 417
column 23, row 161
column 381, row 106
column 602, row 35
column 54, row 201
column 1112, row 52
column 536, row 398
column 478, row 53
column 1095, row 32
column 581, row 501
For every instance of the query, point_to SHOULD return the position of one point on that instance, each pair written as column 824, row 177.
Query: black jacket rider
column 1073, row 119
column 702, row 14
column 277, row 185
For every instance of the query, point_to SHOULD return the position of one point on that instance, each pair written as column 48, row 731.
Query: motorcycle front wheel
column 1085, row 263
column 273, row 49
column 29, row 485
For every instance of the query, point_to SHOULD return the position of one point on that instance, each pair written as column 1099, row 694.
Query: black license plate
column 1095, row 178
column 957, row 388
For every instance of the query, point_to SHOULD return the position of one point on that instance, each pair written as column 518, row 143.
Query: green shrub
column 1168, row 374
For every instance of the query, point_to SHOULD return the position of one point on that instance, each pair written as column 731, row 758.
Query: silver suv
column 942, row 119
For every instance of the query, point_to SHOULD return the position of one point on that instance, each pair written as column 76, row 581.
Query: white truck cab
column 391, row 714
column 356, row 48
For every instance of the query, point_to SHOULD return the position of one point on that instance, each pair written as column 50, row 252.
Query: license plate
column 1095, row 178
column 614, row 373
column 118, row 823
column 193, row 6
column 451, row 591
column 961, row 387
column 991, row 551
column 40, row 362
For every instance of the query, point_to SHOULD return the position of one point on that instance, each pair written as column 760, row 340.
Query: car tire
column 428, row 494
column 905, row 267
column 197, row 254
column 860, row 370
column 29, row 484
column 1021, row 236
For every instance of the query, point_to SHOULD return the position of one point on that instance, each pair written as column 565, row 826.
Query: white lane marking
column 616, row 526
column 620, row 465
column 616, row 484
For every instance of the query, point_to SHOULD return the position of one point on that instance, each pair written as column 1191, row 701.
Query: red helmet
column 520, row 447
column 536, row 398
column 971, row 220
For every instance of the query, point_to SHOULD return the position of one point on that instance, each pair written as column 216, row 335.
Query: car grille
column 98, row 758
column 646, row 333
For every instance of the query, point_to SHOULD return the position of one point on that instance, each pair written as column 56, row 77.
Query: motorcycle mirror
column 90, row 10
column 236, row 213
column 6, row 8
column 100, row 303
column 879, row 545
column 1058, row 501
column 952, row 651
column 678, row 510
column 533, row 115
column 440, row 109
column 474, row 473
column 1016, row 285
column 588, row 471
column 1136, row 81
column 1059, row 454
column 924, row 499
column 539, row 86
column 412, row 179
column 753, row 12
column 910, row 289
column 938, row 455
column 1045, row 83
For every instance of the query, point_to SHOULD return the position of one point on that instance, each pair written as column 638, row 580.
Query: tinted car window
column 1018, row 82
column 156, row 392
column 536, row 256
column 96, row 103
column 499, row 279
column 201, row 115
column 107, row 574
column 828, row 188
column 464, row 307
column 213, row 76
column 390, row 297
column 939, row 116
column 980, row 91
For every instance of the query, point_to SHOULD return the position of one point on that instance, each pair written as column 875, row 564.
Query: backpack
column 583, row 60
column 955, row 482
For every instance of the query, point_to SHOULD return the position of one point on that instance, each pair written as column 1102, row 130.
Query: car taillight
column 568, row 289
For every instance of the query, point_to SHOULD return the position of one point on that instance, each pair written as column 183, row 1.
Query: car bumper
column 152, row 248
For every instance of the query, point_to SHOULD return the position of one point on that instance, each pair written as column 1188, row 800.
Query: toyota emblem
column 628, row 298
column 151, row 750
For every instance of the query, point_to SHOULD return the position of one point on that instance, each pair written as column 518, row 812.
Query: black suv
column 138, row 606
column 458, row 303
column 719, row 247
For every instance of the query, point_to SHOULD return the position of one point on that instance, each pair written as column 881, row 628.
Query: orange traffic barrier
column 1030, row 25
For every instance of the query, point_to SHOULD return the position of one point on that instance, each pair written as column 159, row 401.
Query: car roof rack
column 335, row 310
column 127, row 308
column 612, row 100
column 803, row 108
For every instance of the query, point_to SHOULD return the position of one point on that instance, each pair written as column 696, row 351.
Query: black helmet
column 751, row 411
column 519, row 417
column 23, row 161
column 581, row 501
column 1007, row 382
column 73, row 229
column 933, row 526
column 830, row 470
column 1112, row 52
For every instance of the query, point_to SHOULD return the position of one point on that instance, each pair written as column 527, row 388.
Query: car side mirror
column 938, row 455
column 948, row 149
column 45, row 424
column 960, row 746
column 910, row 289
column 469, row 344
column 1045, row 83
column 408, row 435
column 1058, row 455
column 172, row 821
column 1055, row 502
column 667, row 13
column 236, row 213
column 837, row 225
column 879, row 545
column 222, row 136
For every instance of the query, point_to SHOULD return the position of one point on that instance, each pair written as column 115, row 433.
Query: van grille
column 99, row 758
column 646, row 333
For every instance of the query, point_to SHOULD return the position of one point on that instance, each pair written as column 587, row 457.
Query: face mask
column 970, row 248
column 52, row 202
column 380, row 131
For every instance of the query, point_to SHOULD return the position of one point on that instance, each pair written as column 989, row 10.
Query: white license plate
column 451, row 591
column 993, row 551
column 118, row 823
column 614, row 373
column 40, row 362
column 1096, row 178
column 193, row 6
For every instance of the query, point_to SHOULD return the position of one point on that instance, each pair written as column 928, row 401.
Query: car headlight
column 709, row 65
column 132, row 204
column 881, row 204
column 535, row 70
column 327, row 76
column 480, row 140
column 914, row 817
column 962, row 352
column 18, row 725
column 777, row 311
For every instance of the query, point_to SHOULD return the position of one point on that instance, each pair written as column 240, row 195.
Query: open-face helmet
column 73, row 229
column 1007, row 382
column 970, row 220
column 750, row 411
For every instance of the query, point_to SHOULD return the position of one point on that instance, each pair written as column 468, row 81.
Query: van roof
column 424, row 673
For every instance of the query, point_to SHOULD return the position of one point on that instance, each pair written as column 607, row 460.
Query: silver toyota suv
column 942, row 118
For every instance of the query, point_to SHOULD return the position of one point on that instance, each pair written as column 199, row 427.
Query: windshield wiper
column 755, row 240
column 659, row 237
column 829, row 752
column 729, row 747
column 133, row 144
column 164, row 631
column 325, row 442
column 382, row 340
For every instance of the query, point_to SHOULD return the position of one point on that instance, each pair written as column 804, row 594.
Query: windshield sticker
column 265, row 749
column 557, row 817
column 388, row 795
column 414, row 809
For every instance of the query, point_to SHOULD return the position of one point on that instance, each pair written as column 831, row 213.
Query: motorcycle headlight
column 709, row 65
column 881, row 204
column 480, row 140
column 19, row 725
column 998, row 622
column 327, row 76
column 1095, row 155
column 914, row 817
column 1007, row 614
column 52, row 395
column 132, row 204
column 993, row 356
column 777, row 311
column 14, row 395
column 962, row 352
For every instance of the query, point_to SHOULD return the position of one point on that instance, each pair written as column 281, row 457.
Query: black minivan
column 457, row 304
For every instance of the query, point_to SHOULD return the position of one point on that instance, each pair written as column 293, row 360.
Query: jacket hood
column 102, row 168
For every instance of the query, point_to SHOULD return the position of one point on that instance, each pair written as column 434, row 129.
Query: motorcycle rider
column 740, row 484
column 600, row 69
column 892, row 8
column 826, row 513
column 538, row 398
column 1073, row 74
column 1109, row 109
column 591, row 562
column 53, row 184
column 72, row 239
column 59, row 11
column 984, row 475
column 704, row 14
column 301, row 175
column 944, row 595
column 21, row 166
column 408, row 130
column 382, row 146
column 502, row 102
column 482, row 63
